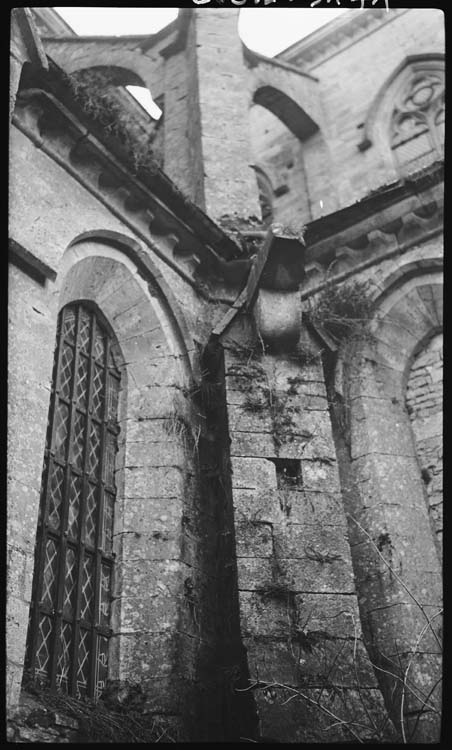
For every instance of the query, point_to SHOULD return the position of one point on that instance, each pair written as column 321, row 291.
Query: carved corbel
column 277, row 311
column 278, row 317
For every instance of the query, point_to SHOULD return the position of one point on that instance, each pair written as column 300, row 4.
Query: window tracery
column 417, row 121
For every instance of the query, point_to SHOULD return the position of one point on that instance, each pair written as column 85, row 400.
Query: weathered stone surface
column 250, row 418
column 20, row 564
column 337, row 614
column 147, row 455
column 253, row 572
column 424, row 403
column 152, row 401
column 179, row 529
column 284, row 443
column 271, row 660
column 253, row 473
column 305, row 395
column 405, row 627
column 146, row 656
column 295, row 575
column 322, row 715
column 309, row 575
column 160, row 482
column 252, row 444
column 253, row 537
column 309, row 540
column 16, row 628
column 369, row 433
column 278, row 506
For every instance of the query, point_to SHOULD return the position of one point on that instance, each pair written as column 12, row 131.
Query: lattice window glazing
column 417, row 124
column 70, row 615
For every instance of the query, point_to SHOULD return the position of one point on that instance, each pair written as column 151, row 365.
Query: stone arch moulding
column 409, row 311
column 151, row 462
column 115, row 75
column 79, row 54
column 290, row 94
column 390, row 529
column 146, row 269
column 287, row 110
column 430, row 60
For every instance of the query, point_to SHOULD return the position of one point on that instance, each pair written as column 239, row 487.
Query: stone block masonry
column 277, row 517
column 424, row 401
column 298, row 605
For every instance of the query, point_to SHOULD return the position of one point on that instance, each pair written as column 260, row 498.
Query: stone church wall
column 350, row 78
column 425, row 405
column 279, row 516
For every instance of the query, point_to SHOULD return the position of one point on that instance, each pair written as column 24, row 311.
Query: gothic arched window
column 417, row 121
column 69, row 626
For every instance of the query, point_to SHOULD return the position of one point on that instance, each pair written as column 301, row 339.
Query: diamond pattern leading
column 94, row 449
column 81, row 382
column 55, row 495
column 67, row 357
column 99, row 344
column 75, row 493
column 63, row 663
column 61, row 429
column 68, row 329
column 78, row 440
column 50, row 574
column 94, row 382
column 82, row 663
column 84, row 330
column 98, row 391
column 90, row 519
column 43, row 650
column 70, row 583
column 87, row 601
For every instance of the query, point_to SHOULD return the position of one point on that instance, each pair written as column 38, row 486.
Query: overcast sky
column 267, row 30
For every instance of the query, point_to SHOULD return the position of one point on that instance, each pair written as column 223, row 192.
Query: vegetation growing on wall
column 352, row 710
column 120, row 715
column 343, row 311
column 260, row 397
column 101, row 102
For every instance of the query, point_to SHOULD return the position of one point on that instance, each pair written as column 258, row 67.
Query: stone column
column 298, row 605
column 207, row 145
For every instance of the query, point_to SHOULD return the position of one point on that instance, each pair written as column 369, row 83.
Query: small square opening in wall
column 288, row 473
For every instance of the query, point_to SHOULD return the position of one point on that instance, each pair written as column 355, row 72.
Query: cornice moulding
column 408, row 213
column 255, row 58
column 336, row 36
column 65, row 139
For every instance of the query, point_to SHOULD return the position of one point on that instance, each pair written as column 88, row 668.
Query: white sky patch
column 116, row 21
column 270, row 30
column 265, row 30
column 143, row 96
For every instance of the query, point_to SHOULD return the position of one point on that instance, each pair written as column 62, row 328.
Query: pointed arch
column 392, row 122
